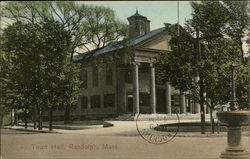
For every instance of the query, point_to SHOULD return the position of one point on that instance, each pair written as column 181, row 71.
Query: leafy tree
column 42, row 76
column 90, row 26
column 21, row 44
column 218, row 28
column 70, row 87
column 56, row 46
column 4, row 83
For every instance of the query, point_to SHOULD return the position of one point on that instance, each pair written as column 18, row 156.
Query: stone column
column 234, row 138
column 168, row 97
column 152, row 89
column 205, row 108
column 197, row 107
column 182, row 102
column 234, row 149
column 191, row 107
column 136, row 88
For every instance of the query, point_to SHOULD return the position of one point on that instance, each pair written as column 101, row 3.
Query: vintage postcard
column 125, row 80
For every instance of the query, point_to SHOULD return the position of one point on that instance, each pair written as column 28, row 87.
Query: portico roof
column 121, row 44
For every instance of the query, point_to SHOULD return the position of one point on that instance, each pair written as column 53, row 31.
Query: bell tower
column 138, row 25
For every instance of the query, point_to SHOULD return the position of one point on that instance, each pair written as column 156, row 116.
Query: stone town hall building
column 120, row 87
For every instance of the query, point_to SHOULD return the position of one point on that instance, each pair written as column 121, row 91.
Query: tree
column 40, row 74
column 70, row 87
column 209, row 55
column 22, row 46
column 90, row 27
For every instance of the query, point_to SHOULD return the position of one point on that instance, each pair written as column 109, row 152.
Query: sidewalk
column 120, row 128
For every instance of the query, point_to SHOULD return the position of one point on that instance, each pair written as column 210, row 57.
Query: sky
column 158, row 12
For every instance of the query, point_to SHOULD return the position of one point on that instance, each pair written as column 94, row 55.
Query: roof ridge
column 119, row 44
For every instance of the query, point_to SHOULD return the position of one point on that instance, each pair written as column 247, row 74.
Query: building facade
column 120, row 78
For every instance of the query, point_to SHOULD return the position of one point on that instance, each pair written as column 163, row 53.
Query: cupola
column 138, row 25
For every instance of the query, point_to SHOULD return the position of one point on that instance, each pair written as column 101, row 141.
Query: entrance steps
column 145, row 117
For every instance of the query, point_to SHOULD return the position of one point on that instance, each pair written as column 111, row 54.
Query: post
column 197, row 109
column 249, row 82
column 12, row 117
column 182, row 102
column 136, row 88
column 232, row 104
column 152, row 89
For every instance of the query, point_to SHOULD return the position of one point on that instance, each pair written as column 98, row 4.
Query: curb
column 69, row 127
column 29, row 130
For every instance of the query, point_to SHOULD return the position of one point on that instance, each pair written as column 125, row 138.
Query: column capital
column 182, row 92
column 167, row 83
column 136, row 63
column 152, row 65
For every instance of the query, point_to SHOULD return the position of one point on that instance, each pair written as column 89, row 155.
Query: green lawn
column 81, row 123
column 6, row 119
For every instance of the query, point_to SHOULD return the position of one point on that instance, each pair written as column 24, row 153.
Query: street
column 119, row 142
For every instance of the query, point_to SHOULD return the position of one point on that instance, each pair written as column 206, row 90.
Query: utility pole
column 201, row 87
column 248, row 81
column 1, row 123
column 200, row 77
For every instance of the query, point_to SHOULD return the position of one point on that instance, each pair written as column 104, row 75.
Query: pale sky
column 158, row 12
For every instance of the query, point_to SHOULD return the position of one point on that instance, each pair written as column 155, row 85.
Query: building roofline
column 122, row 44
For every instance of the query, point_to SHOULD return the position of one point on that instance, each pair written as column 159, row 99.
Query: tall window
column 176, row 100
column 84, row 102
column 95, row 79
column 95, row 101
column 109, row 100
column 172, row 100
column 109, row 76
column 144, row 99
column 136, row 27
column 84, row 79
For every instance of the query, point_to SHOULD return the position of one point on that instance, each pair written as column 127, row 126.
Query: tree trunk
column 11, row 118
column 25, row 118
column 67, row 114
column 203, row 120
column 15, row 119
column 211, row 118
column 35, row 117
column 40, row 119
column 50, row 118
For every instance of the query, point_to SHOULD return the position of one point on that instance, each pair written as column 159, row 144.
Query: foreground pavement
column 119, row 142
